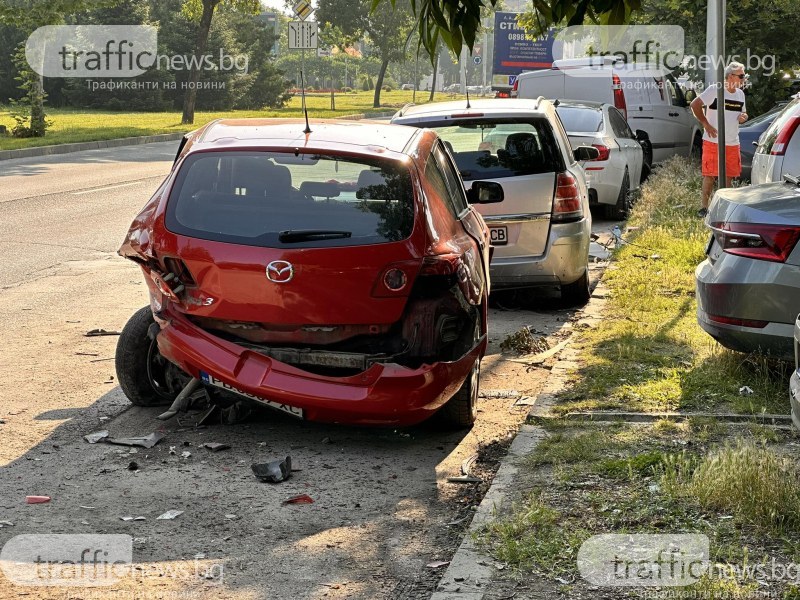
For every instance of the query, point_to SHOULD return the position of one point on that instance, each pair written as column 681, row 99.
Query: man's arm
column 697, row 110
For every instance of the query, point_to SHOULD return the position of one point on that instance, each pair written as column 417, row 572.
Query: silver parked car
column 616, row 173
column 541, row 229
column 778, row 150
column 794, row 382
column 748, row 286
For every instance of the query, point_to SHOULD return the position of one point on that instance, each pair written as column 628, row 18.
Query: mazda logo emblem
column 280, row 271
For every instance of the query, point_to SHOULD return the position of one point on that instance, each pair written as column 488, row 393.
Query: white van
column 655, row 105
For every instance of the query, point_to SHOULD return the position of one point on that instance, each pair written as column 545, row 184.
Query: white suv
column 541, row 229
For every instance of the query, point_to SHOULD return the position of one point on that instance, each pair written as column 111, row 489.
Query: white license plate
column 498, row 236
column 211, row 380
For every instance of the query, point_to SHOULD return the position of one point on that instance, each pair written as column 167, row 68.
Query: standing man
column 735, row 114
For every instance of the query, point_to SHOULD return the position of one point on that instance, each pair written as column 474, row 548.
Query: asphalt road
column 383, row 509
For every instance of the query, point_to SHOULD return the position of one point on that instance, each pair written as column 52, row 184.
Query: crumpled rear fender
column 137, row 245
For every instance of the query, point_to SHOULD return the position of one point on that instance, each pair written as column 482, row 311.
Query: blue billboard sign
column 514, row 52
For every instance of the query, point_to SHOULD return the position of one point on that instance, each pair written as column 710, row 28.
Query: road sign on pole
column 303, row 35
column 302, row 9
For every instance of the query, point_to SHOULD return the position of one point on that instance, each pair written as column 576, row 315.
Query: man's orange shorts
column 733, row 160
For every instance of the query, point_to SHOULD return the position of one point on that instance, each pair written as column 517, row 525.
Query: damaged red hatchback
column 339, row 275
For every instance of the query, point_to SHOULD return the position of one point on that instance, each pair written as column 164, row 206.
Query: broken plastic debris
column 186, row 454
column 745, row 390
column 169, row 515
column 230, row 516
column 36, row 499
column 301, row 499
column 95, row 437
column 147, row 441
column 139, row 518
column 275, row 471
column 437, row 564
column 99, row 332
column 87, row 507
column 215, row 447
column 6, row 524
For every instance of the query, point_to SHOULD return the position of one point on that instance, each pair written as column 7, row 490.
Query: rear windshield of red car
column 281, row 200
column 501, row 147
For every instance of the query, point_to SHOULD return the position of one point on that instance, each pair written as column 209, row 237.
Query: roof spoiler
column 400, row 112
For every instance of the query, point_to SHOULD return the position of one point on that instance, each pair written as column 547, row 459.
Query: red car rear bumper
column 384, row 394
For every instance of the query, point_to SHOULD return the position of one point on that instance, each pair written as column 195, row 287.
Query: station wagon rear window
column 499, row 148
column 280, row 200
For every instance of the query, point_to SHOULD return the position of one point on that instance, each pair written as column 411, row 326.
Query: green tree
column 457, row 22
column 387, row 29
column 202, row 12
column 27, row 16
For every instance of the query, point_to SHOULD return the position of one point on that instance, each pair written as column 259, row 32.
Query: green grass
column 629, row 478
column 748, row 480
column 75, row 125
column 649, row 354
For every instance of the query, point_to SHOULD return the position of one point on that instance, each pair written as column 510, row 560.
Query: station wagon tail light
column 619, row 95
column 760, row 242
column 567, row 202
column 785, row 136
column 738, row 322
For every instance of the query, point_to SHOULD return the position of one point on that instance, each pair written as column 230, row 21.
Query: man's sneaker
column 702, row 213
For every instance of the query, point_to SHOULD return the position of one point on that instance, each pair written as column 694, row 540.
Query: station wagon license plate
column 498, row 236
column 211, row 380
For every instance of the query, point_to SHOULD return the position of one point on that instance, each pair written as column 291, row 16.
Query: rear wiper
column 302, row 235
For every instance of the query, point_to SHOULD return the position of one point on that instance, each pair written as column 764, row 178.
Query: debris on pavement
column 169, row 515
column 466, row 468
column 437, row 564
column 6, row 524
column 215, row 447
column 745, row 391
column 147, row 441
column 36, row 499
column 100, row 332
column 499, row 394
column 186, row 454
column 537, row 359
column 139, row 518
column 300, row 499
column 95, row 437
column 525, row 342
column 275, row 471
column 133, row 466
column 87, row 507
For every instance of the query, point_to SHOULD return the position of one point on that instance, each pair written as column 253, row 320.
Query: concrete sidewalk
column 471, row 572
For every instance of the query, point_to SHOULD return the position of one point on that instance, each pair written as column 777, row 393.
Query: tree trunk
column 433, row 79
column 190, row 97
column 38, row 125
column 379, row 84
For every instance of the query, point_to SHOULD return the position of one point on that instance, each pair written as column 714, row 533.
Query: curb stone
column 470, row 573
column 130, row 141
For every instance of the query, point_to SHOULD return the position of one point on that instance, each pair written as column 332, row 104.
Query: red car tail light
column 567, row 202
column 784, row 136
column 619, row 95
column 738, row 322
column 753, row 240
column 605, row 152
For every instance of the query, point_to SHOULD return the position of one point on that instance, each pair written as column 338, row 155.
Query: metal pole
column 721, row 94
column 416, row 77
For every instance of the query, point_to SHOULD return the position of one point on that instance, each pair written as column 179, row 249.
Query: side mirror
column 755, row 144
column 583, row 153
column 485, row 192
